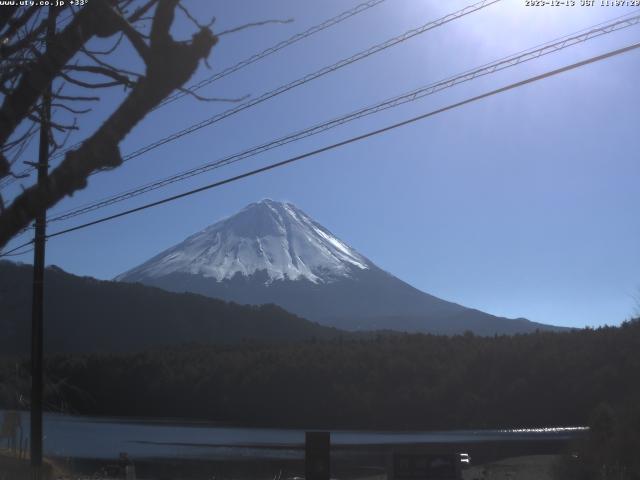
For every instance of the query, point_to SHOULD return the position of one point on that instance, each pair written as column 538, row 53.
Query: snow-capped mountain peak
column 267, row 236
column 271, row 252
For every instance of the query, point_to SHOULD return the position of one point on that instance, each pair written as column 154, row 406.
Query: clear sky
column 521, row 205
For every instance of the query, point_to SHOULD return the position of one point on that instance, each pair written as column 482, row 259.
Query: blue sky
column 522, row 205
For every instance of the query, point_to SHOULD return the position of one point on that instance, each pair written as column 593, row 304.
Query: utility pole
column 37, row 376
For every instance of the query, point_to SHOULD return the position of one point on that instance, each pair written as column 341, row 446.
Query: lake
column 104, row 437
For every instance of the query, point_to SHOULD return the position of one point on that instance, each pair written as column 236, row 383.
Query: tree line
column 394, row 381
column 384, row 381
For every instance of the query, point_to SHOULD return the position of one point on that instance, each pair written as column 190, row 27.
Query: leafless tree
column 31, row 58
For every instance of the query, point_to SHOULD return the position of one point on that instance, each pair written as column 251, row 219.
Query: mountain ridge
column 83, row 314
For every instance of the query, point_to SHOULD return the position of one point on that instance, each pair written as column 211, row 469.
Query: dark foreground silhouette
column 582, row 377
column 391, row 381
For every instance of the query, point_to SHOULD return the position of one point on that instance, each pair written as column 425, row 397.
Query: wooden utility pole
column 37, row 376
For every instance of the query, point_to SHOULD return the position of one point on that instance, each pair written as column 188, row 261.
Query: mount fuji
column 272, row 252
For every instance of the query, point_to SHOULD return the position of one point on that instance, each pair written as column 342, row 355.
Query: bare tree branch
column 90, row 21
column 253, row 24
column 21, row 149
column 58, row 145
column 76, row 98
column 193, row 19
column 138, row 14
column 55, row 125
column 109, row 50
column 15, row 24
column 9, row 145
column 6, row 14
column 107, row 65
column 170, row 64
column 212, row 99
column 7, row 50
column 18, row 175
column 135, row 37
column 94, row 85
column 107, row 72
column 69, row 109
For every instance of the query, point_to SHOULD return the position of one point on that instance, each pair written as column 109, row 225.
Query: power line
column 273, row 49
column 489, row 68
column 309, row 77
column 10, row 253
column 312, row 76
column 355, row 139
column 289, row 86
column 18, row 254
column 234, row 68
column 344, row 142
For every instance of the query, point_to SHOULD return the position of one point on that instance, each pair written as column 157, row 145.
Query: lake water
column 101, row 437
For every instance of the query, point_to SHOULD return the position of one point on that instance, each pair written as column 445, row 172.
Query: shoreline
column 353, row 462
column 204, row 423
column 497, row 460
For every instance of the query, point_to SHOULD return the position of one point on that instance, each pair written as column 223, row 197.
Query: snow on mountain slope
column 268, row 236
column 271, row 252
